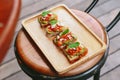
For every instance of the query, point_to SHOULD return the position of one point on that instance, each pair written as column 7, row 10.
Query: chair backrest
column 8, row 19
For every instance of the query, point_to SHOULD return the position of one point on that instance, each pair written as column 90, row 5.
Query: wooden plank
column 37, row 0
column 27, row 2
column 112, row 61
column 19, row 76
column 115, row 31
column 114, row 44
column 107, row 18
column 101, row 2
column 113, row 75
column 9, row 69
column 82, row 5
column 70, row 3
column 13, row 41
column 34, row 8
column 105, row 8
column 10, row 55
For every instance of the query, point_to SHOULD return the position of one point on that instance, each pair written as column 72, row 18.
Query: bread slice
column 53, row 30
column 76, row 56
column 45, row 18
column 64, row 38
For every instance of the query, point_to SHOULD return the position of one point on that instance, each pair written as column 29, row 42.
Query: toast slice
column 75, row 52
column 64, row 38
column 54, row 28
column 45, row 18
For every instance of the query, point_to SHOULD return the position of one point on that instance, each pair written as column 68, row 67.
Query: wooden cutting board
column 56, row 57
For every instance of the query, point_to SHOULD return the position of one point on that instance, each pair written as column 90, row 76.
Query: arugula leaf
column 45, row 13
column 52, row 22
column 64, row 32
column 74, row 45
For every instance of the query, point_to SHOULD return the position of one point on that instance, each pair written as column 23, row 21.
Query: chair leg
column 97, row 75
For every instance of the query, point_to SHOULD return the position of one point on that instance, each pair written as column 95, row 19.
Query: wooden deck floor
column 104, row 11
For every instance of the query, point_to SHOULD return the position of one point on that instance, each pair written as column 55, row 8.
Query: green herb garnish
column 64, row 32
column 45, row 13
column 74, row 45
column 52, row 22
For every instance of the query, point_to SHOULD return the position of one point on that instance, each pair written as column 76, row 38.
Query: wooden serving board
column 56, row 57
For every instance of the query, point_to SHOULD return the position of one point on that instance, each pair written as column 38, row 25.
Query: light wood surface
column 30, row 53
column 9, row 14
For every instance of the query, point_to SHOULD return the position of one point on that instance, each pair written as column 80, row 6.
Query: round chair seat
column 29, row 55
